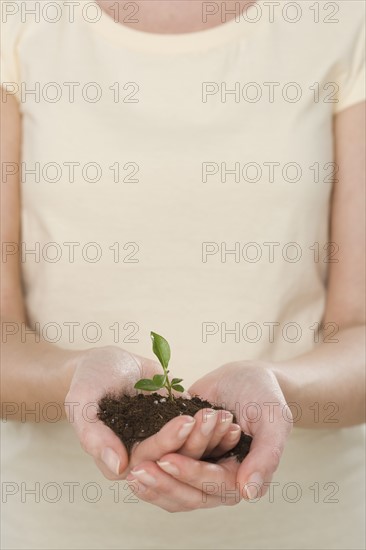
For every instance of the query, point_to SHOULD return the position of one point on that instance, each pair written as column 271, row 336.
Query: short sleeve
column 11, row 30
column 352, row 77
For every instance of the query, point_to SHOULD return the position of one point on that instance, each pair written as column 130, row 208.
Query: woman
column 193, row 168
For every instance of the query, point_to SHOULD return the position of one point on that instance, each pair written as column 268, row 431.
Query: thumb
column 263, row 459
column 96, row 438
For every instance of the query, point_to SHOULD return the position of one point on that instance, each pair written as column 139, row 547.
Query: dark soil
column 134, row 418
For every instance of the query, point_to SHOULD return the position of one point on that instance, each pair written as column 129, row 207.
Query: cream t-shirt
column 180, row 183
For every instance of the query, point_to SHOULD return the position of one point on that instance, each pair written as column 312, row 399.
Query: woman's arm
column 335, row 372
column 31, row 373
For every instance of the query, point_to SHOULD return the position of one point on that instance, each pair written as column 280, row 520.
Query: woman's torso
column 207, row 221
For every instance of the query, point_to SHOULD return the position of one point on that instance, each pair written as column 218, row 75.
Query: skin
column 171, row 16
column 165, row 470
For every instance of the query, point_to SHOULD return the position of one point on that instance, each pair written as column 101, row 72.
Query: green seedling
column 161, row 349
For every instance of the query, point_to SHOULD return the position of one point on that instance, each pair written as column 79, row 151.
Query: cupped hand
column 180, row 483
column 99, row 371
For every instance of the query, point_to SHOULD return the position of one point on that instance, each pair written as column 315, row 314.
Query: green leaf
column 161, row 349
column 159, row 380
column 177, row 387
column 147, row 385
column 176, row 381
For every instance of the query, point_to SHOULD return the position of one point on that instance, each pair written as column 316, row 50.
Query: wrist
column 64, row 373
column 285, row 380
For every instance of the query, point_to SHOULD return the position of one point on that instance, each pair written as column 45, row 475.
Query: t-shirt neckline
column 174, row 43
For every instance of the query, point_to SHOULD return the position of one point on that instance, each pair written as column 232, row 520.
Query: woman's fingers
column 107, row 471
column 264, row 457
column 169, row 439
column 228, row 441
column 223, row 423
column 200, row 437
column 213, row 479
column 153, row 485
column 95, row 437
column 108, row 451
column 210, row 428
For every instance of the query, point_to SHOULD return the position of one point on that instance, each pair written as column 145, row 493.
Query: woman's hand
column 179, row 483
column 111, row 369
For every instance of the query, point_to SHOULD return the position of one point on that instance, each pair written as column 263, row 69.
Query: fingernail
column 234, row 431
column 186, row 429
column 209, row 421
column 168, row 467
column 144, row 477
column 254, row 485
column 111, row 460
column 225, row 417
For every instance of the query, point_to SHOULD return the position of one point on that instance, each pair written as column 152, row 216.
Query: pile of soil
column 134, row 418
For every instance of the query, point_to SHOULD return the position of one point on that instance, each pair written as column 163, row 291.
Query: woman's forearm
column 326, row 387
column 33, row 375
